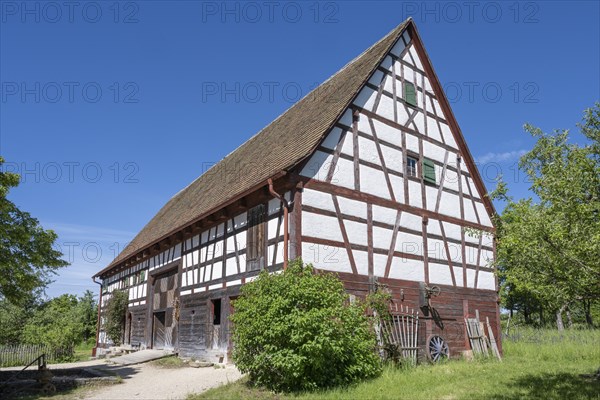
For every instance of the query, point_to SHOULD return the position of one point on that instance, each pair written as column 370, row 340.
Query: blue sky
column 109, row 108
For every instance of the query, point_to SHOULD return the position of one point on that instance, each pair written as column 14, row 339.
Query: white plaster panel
column 488, row 240
column 321, row 226
column 414, row 194
column 357, row 232
column 398, row 187
column 326, row 257
column 318, row 166
column 487, row 258
column 410, row 270
column 474, row 191
column 409, row 73
column 448, row 136
column 231, row 244
column 279, row 255
column 440, row 274
column 387, row 63
column 217, row 270
column 184, row 279
column 333, row 138
column 412, row 143
column 387, row 133
column 433, row 227
column 472, row 237
column 431, row 193
column 392, row 158
column 432, row 129
column 469, row 210
column 470, row 278
column 373, row 181
column 451, row 179
column 272, row 228
column 195, row 254
column 343, row 174
column 350, row 207
column 230, row 267
column 402, row 113
column 406, row 37
column 388, row 84
column 215, row 286
column 409, row 244
column 382, row 238
column 366, row 98
column 384, row 214
column 379, row 263
column 317, row 199
column 363, row 125
column 235, row 282
column 420, row 122
column 483, row 215
column 471, row 255
column 415, row 56
column 449, row 204
column 455, row 250
column 428, row 85
column 411, row 221
column 486, row 280
column 433, row 151
column 368, row 151
column 386, row 107
column 361, row 258
column 436, row 249
column 348, row 146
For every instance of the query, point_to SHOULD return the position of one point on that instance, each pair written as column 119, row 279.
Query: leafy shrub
column 116, row 307
column 297, row 331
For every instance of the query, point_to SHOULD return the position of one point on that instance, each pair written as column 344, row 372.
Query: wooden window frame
column 415, row 170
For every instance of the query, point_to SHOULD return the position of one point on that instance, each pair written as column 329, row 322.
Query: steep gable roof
column 280, row 146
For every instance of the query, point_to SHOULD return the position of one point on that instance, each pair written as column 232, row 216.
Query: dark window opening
column 411, row 166
column 216, row 306
column 255, row 245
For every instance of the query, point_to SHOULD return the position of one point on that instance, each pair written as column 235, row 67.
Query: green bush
column 116, row 308
column 297, row 331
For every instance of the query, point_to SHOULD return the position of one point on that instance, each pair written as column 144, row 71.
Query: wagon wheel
column 437, row 348
column 48, row 388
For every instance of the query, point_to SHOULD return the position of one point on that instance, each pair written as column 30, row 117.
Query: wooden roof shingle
column 279, row 146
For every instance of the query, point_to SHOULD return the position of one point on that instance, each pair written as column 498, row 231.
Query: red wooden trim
column 336, row 156
column 355, row 150
column 425, row 249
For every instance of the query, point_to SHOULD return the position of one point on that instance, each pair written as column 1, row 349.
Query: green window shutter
column 428, row 171
column 410, row 94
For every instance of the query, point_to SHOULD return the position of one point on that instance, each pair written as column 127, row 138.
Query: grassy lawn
column 82, row 352
column 537, row 365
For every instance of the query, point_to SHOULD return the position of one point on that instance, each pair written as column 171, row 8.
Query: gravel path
column 146, row 381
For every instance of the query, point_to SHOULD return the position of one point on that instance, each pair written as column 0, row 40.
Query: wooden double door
column 164, row 310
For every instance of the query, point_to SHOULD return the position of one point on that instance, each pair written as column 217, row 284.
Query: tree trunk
column 559, row 321
column 569, row 319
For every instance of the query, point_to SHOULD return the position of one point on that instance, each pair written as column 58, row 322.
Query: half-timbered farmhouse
column 368, row 176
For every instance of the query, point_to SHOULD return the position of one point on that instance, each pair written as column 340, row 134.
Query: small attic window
column 428, row 171
column 410, row 94
column 411, row 166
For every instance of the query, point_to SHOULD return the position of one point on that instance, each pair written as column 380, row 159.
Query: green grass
column 169, row 362
column 82, row 352
column 537, row 365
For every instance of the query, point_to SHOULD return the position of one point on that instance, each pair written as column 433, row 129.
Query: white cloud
column 500, row 157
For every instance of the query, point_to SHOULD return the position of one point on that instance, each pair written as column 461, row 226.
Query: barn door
column 158, row 334
column 164, row 307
